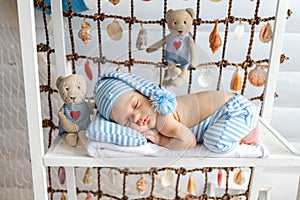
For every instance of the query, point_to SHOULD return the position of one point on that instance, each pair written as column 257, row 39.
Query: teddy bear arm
column 156, row 46
column 67, row 124
column 194, row 54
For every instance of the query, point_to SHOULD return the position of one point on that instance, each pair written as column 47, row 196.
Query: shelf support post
column 32, row 96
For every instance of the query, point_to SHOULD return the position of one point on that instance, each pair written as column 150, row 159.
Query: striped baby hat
column 111, row 86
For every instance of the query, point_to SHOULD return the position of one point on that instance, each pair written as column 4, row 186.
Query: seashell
column 236, row 80
column 191, row 188
column 167, row 179
column 215, row 40
column 219, row 177
column 115, row 2
column 85, row 32
column 258, row 75
column 61, row 175
column 88, row 70
column 120, row 69
column 190, row 197
column 88, row 177
column 141, row 41
column 50, row 25
column 239, row 177
column 141, row 185
column 88, row 197
column 111, row 176
column 63, row 197
column 215, row 0
column 238, row 31
column 266, row 33
column 205, row 77
column 114, row 30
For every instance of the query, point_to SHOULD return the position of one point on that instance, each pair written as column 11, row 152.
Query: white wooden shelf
column 282, row 154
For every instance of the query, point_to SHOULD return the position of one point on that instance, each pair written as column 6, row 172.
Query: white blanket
column 98, row 149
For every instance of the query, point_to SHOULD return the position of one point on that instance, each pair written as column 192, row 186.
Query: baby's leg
column 251, row 138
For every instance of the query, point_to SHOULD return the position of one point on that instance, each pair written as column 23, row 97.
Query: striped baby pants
column 221, row 131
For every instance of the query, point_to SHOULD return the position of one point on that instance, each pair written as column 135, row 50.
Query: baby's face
column 135, row 111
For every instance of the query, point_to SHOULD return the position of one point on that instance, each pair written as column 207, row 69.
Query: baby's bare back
column 193, row 108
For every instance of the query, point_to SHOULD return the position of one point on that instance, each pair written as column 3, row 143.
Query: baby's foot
column 251, row 138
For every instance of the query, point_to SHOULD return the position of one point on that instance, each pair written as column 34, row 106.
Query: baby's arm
column 171, row 134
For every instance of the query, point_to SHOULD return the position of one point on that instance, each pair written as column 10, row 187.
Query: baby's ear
column 58, row 81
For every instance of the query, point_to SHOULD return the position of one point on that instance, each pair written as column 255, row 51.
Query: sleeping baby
column 219, row 120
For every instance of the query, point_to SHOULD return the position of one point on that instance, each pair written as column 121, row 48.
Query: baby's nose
column 135, row 116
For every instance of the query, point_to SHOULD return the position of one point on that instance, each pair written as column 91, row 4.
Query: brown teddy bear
column 180, row 47
column 74, row 115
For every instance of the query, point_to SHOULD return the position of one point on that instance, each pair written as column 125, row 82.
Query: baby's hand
column 152, row 135
column 149, row 133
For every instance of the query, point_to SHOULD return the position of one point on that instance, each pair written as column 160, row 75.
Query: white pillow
column 106, row 131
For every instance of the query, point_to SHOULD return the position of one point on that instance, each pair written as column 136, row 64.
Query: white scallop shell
column 258, row 76
column 114, row 30
column 238, row 31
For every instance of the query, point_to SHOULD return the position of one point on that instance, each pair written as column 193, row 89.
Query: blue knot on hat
column 111, row 86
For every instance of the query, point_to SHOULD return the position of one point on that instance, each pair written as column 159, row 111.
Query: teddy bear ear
column 191, row 12
column 168, row 13
column 58, row 81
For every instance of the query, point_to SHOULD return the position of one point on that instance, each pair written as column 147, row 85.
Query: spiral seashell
column 141, row 185
column 85, row 32
column 88, row 197
column 115, row 2
column 191, row 185
column 258, row 76
column 238, row 31
column 266, row 33
column 88, row 177
column 215, row 40
column 239, row 177
column 236, row 81
column 114, row 30
column 63, row 197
